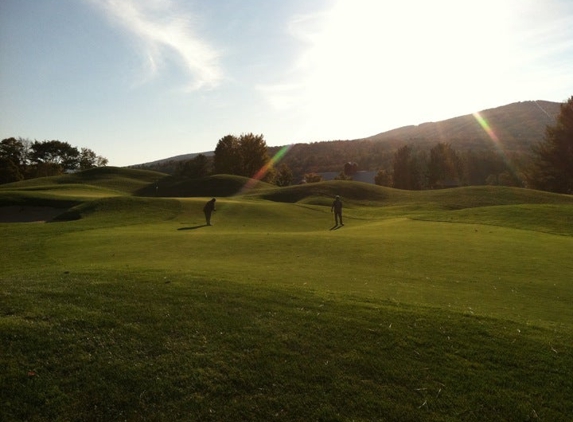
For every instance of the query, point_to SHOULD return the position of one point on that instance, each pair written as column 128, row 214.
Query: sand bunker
column 17, row 214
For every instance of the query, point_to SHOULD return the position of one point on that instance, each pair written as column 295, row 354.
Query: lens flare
column 485, row 125
column 265, row 169
column 498, row 145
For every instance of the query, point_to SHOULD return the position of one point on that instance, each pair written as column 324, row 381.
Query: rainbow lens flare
column 485, row 125
column 265, row 169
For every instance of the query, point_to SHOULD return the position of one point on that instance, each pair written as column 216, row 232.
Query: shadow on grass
column 194, row 227
column 335, row 227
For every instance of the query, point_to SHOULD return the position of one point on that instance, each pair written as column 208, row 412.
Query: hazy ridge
column 517, row 126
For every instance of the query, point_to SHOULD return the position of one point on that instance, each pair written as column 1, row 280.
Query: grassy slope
column 137, row 309
column 73, row 189
column 217, row 185
column 112, row 178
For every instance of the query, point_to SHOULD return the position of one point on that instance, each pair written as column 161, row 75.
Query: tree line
column 549, row 166
column 443, row 166
column 245, row 155
column 410, row 166
column 22, row 159
column 413, row 166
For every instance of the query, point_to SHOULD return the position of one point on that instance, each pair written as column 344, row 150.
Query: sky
column 142, row 80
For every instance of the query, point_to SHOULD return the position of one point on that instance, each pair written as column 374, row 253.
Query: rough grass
column 135, row 310
column 111, row 346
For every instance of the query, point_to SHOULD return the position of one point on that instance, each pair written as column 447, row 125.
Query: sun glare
column 368, row 61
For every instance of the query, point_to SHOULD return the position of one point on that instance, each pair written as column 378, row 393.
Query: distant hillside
column 516, row 125
column 182, row 157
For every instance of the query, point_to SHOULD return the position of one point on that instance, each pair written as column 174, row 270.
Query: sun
column 368, row 61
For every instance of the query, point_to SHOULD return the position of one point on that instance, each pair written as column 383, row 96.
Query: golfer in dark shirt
column 208, row 209
column 337, row 208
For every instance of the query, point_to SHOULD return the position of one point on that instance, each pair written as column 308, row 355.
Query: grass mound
column 24, row 198
column 123, row 210
column 455, row 198
column 111, row 178
column 121, row 179
column 318, row 193
column 484, row 196
column 220, row 185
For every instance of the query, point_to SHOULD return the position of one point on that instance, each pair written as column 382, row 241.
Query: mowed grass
column 421, row 308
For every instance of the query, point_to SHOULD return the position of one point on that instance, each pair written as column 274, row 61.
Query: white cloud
column 165, row 33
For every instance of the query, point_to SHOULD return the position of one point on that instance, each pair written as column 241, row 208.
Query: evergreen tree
column 406, row 169
column 552, row 168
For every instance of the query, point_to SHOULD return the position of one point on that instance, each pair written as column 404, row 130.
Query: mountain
column 182, row 157
column 515, row 127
